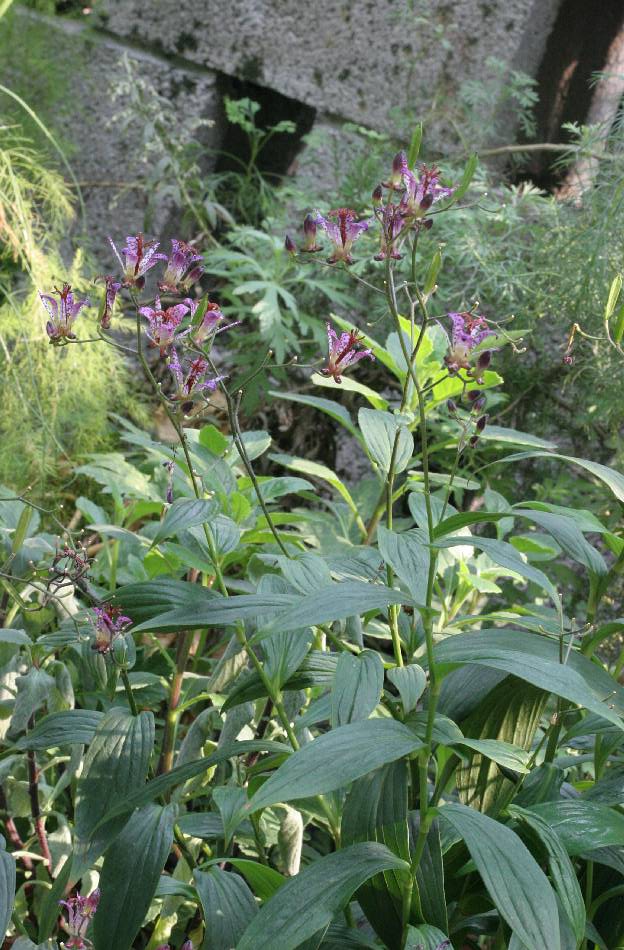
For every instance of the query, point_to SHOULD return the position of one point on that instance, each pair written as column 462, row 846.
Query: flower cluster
column 80, row 911
column 109, row 624
column 468, row 330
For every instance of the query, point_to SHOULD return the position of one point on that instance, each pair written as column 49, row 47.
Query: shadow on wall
column 579, row 46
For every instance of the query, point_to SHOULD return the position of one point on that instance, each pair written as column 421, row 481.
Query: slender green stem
column 128, row 688
column 173, row 709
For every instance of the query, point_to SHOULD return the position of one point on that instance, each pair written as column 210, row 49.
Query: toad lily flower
column 193, row 382
column 469, row 329
column 111, row 289
column 163, row 323
column 309, row 235
column 62, row 314
column 391, row 226
column 343, row 353
column 399, row 170
column 109, row 623
column 182, row 267
column 343, row 233
column 140, row 256
column 80, row 910
column 422, row 191
column 209, row 322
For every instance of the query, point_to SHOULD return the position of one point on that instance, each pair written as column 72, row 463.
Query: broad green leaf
column 376, row 810
column 335, row 602
column 411, row 682
column 408, row 556
column 283, row 654
column 560, row 867
column 308, row 902
column 315, row 470
column 507, row 556
column 130, row 874
column 612, row 479
column 567, row 533
column 335, row 759
column 231, row 801
column 609, row 790
column 306, row 572
column 333, row 409
column 182, row 773
column 535, row 659
column 518, row 887
column 358, row 684
column 426, row 937
column 494, row 433
column 317, row 669
column 7, row 887
column 582, row 825
column 381, row 431
column 185, row 513
column 62, row 728
column 18, row 637
column 33, row 691
column 503, row 753
column 430, row 874
column 228, row 907
column 350, row 384
column 151, row 598
column 117, row 760
column 262, row 879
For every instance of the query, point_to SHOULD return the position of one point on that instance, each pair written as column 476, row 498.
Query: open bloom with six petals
column 163, row 323
column 342, row 232
column 192, row 381
column 62, row 313
column 183, row 267
column 109, row 623
column 139, row 257
column 343, row 352
column 422, row 191
column 209, row 322
column 469, row 329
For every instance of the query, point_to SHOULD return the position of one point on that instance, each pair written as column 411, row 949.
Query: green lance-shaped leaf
column 535, row 659
column 130, row 875
column 228, row 906
column 185, row 513
column 62, row 729
column 410, row 681
column 376, row 810
column 560, row 867
column 518, row 887
column 468, row 174
column 414, row 148
column 408, row 555
column 333, row 409
column 115, row 766
column 336, row 759
column 426, row 937
column 7, row 887
column 612, row 299
column 432, row 273
column 307, row 903
column 380, row 429
column 582, row 825
column 357, row 688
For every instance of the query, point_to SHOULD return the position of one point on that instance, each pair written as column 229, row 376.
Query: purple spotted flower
column 193, row 381
column 469, row 329
column 341, row 233
column 183, row 267
column 399, row 170
column 391, row 226
column 62, row 314
column 111, row 289
column 422, row 191
column 343, row 352
column 109, row 623
column 80, row 911
column 163, row 323
column 139, row 257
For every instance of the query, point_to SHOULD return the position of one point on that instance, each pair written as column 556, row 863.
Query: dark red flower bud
column 428, row 224
column 473, row 395
column 290, row 245
column 451, row 406
column 399, row 162
column 377, row 195
column 481, row 422
column 473, row 441
column 479, row 404
column 484, row 360
column 426, row 201
column 309, row 226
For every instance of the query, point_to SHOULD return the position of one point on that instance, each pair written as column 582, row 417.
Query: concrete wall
column 381, row 63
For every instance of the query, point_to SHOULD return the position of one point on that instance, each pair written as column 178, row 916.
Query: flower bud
column 289, row 245
column 377, row 196
column 309, row 226
column 481, row 422
column 568, row 359
column 473, row 441
column 484, row 360
column 451, row 406
column 479, row 404
column 473, row 395
column 428, row 224
column 426, row 201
